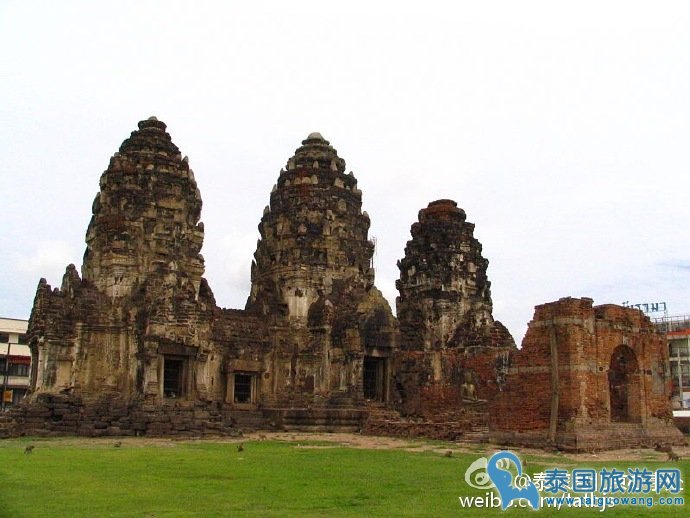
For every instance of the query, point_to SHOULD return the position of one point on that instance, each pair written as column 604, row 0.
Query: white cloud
column 228, row 266
column 47, row 258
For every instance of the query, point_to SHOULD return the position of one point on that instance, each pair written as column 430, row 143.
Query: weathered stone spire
column 313, row 234
column 145, row 218
column 445, row 296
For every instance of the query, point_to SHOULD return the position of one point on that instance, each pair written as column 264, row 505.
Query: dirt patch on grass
column 376, row 442
column 350, row 440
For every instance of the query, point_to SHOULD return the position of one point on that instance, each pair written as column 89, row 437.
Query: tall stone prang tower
column 138, row 324
column 313, row 234
column 445, row 295
column 145, row 218
column 312, row 278
column 445, row 309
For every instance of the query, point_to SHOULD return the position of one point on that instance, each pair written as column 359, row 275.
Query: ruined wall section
column 525, row 403
column 57, row 324
column 451, row 347
column 247, row 347
column 651, row 350
column 570, row 364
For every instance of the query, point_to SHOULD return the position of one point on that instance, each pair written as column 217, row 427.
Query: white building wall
column 13, row 331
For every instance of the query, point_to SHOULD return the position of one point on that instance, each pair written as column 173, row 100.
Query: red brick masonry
column 586, row 378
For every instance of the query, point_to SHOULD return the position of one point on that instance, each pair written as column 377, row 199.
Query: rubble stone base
column 595, row 438
column 110, row 415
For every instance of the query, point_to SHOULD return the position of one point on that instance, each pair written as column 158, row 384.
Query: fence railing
column 672, row 323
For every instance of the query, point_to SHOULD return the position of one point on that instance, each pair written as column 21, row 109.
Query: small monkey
column 672, row 455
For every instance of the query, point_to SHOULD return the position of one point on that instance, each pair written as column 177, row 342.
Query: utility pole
column 680, row 376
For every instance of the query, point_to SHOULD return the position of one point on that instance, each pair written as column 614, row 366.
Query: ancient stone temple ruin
column 586, row 378
column 136, row 344
column 332, row 332
column 451, row 348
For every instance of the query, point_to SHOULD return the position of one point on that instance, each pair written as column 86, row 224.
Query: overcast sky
column 562, row 128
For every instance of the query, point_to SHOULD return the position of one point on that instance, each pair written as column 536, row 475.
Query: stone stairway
column 476, row 419
column 468, row 423
column 378, row 412
column 246, row 420
column 477, row 433
column 320, row 419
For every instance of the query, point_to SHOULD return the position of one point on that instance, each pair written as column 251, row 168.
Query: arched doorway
column 624, row 386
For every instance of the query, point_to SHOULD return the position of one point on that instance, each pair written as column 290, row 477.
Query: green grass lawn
column 269, row 478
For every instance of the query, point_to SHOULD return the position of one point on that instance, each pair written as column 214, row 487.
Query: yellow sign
column 8, row 396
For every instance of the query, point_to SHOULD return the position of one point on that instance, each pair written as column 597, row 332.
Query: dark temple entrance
column 374, row 378
column 173, row 377
column 624, row 389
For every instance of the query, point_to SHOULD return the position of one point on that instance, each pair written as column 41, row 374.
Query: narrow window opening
column 173, row 375
column 243, row 388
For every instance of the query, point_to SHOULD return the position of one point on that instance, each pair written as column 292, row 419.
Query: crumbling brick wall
column 563, row 384
column 451, row 347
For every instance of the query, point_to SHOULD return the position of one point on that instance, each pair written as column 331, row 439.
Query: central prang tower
column 313, row 235
column 313, row 282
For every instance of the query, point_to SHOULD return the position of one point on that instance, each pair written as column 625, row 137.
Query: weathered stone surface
column 142, row 297
column 312, row 276
column 443, row 283
column 313, row 235
column 451, row 347
column 142, row 324
column 137, row 344
column 145, row 233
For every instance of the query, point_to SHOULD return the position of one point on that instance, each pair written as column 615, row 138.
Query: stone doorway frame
column 375, row 377
column 239, row 370
column 177, row 366
column 624, row 384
